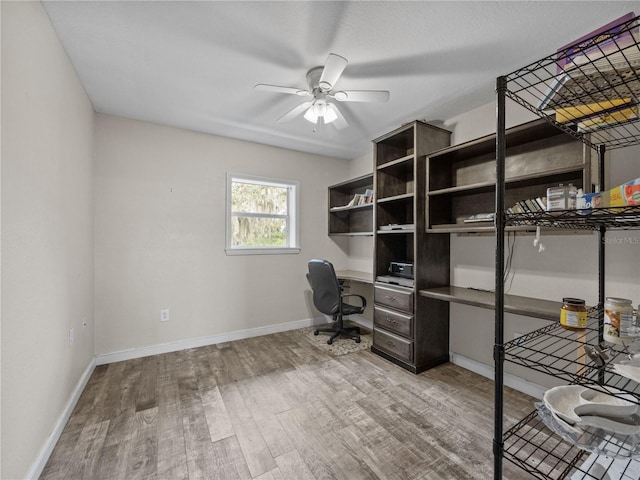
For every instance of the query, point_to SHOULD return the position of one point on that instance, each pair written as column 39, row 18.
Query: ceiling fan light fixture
column 330, row 114
column 320, row 108
column 310, row 115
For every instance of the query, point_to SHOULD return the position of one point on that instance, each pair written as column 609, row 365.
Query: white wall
column 47, row 233
column 160, row 236
column 567, row 268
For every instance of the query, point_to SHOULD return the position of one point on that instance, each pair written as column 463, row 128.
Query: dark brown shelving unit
column 408, row 329
column 545, row 88
column 461, row 179
column 356, row 220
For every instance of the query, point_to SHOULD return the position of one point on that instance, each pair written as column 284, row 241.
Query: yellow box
column 571, row 113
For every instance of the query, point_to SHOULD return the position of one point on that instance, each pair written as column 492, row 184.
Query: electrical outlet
column 164, row 315
column 71, row 337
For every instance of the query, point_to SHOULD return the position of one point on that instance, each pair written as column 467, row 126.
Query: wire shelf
column 595, row 88
column 612, row 218
column 534, row 448
column 561, row 353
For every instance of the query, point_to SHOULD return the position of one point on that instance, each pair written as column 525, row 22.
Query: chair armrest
column 362, row 299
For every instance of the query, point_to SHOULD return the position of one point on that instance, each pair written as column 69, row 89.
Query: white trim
column 45, row 452
column 261, row 251
column 104, row 358
column 510, row 380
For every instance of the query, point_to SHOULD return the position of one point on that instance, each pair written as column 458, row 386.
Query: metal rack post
column 498, row 347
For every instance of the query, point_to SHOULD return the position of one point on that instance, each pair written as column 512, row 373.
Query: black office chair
column 328, row 298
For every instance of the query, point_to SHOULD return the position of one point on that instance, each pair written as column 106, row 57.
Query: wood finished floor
column 276, row 407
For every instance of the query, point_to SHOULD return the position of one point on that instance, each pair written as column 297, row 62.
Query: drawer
column 394, row 297
column 397, row 346
column 395, row 321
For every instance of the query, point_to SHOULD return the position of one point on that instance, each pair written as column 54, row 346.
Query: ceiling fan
column 321, row 82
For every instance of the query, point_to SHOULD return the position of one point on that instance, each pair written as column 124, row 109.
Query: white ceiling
column 193, row 65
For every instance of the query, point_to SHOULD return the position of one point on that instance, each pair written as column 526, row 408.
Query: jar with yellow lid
column 573, row 314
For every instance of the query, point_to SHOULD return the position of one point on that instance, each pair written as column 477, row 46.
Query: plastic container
column 619, row 325
column 561, row 197
column 573, row 314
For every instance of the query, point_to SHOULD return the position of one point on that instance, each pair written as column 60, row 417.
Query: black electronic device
column 401, row 269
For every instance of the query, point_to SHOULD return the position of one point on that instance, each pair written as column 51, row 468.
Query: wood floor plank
column 200, row 452
column 257, row 454
column 230, row 460
column 274, row 474
column 292, row 467
column 172, row 461
column 147, row 392
column 144, row 450
column 87, row 452
column 117, row 446
column 216, row 415
column 279, row 407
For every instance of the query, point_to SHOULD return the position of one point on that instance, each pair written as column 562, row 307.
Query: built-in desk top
column 354, row 275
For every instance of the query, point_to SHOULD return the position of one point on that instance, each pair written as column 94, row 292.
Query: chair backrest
column 325, row 286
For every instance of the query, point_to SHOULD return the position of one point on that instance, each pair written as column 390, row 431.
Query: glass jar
column 573, row 314
column 619, row 327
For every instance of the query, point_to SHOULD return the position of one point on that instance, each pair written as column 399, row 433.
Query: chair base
column 337, row 330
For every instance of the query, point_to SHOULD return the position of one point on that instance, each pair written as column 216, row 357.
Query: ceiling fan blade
column 362, row 96
column 340, row 122
column 333, row 68
column 294, row 112
column 278, row 89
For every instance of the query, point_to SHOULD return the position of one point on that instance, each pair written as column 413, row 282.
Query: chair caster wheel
column 316, row 332
column 358, row 340
column 329, row 342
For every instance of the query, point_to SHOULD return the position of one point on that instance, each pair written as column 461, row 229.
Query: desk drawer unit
column 400, row 323
column 397, row 346
column 398, row 298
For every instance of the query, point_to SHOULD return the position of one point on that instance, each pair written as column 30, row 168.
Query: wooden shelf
column 353, row 207
column 352, row 234
column 404, row 160
column 356, row 220
column 547, row 176
column 396, row 198
column 527, row 306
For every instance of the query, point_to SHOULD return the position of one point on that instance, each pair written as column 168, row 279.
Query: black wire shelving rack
column 590, row 91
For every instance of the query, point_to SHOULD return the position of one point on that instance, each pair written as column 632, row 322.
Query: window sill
column 262, row 251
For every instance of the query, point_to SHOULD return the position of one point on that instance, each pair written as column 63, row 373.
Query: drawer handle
column 389, row 342
column 390, row 320
column 389, row 297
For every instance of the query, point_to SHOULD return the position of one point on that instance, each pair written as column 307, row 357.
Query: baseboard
column 105, row 358
column 45, row 452
column 510, row 380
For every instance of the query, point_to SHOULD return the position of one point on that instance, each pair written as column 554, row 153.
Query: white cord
column 537, row 242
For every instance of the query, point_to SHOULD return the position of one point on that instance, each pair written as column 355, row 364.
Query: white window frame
column 292, row 217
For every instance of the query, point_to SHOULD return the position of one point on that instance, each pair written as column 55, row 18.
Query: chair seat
column 350, row 309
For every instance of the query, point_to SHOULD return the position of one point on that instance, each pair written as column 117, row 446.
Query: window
column 262, row 215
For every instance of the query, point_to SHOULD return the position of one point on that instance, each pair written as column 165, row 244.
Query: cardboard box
column 620, row 196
